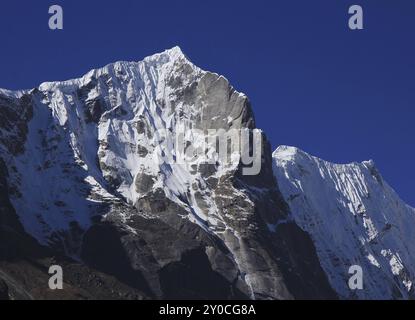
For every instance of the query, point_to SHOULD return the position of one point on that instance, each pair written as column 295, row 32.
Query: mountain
column 354, row 218
column 150, row 180
column 92, row 178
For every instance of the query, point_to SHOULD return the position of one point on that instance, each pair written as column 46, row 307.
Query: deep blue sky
column 339, row 94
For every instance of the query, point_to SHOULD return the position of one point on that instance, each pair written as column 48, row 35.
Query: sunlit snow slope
column 354, row 218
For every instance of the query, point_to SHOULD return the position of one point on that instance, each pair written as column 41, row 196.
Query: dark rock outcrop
column 4, row 290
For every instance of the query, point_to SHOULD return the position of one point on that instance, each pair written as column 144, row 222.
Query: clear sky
column 338, row 94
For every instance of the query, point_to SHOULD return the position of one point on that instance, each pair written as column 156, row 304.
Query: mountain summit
column 354, row 218
column 91, row 180
column 83, row 184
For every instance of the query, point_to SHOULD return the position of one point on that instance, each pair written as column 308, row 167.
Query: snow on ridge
column 354, row 217
column 291, row 152
column 13, row 93
column 169, row 55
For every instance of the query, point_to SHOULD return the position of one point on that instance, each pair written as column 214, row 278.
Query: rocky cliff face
column 91, row 178
column 354, row 218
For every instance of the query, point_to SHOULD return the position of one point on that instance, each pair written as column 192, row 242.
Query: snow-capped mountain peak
column 106, row 122
column 91, row 168
column 354, row 218
column 96, row 158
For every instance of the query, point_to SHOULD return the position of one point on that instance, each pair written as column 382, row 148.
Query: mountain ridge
column 92, row 147
column 354, row 218
column 90, row 172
